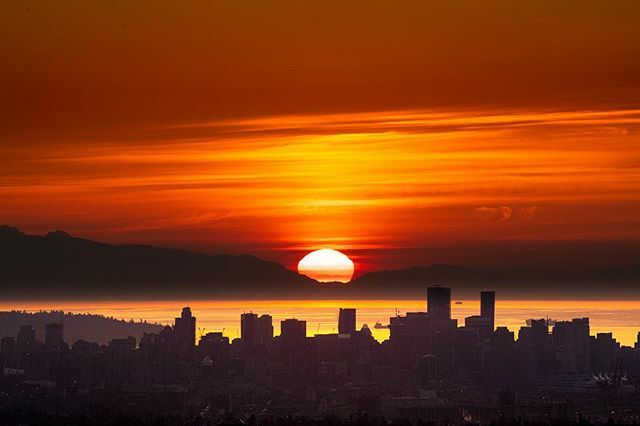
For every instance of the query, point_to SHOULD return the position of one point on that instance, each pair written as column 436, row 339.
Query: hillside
column 89, row 327
column 59, row 264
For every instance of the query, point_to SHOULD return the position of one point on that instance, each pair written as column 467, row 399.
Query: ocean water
column 620, row 317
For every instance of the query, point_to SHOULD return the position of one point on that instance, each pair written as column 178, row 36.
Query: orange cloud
column 361, row 183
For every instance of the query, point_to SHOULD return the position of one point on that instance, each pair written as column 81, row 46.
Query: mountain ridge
column 34, row 262
column 61, row 265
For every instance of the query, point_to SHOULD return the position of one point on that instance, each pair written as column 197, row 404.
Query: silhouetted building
column 215, row 346
column 185, row 333
column 439, row 302
column 347, row 321
column 127, row 343
column 264, row 331
column 503, row 338
column 428, row 369
column 482, row 326
column 572, row 345
column 604, row 350
column 248, row 330
column 256, row 332
column 488, row 307
column 54, row 335
column 26, row 337
column 293, row 330
column 7, row 344
column 535, row 342
column 409, row 333
column 293, row 335
column 535, row 334
column 467, row 349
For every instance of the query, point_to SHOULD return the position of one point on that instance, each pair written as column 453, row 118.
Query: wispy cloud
column 501, row 214
column 394, row 179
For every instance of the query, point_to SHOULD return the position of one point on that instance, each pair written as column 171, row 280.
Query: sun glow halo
column 327, row 265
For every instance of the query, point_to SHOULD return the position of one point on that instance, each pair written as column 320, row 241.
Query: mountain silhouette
column 59, row 265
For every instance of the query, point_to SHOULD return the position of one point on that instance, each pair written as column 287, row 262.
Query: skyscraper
column 264, row 331
column 488, row 307
column 26, row 337
column 53, row 334
column 293, row 329
column 7, row 344
column 482, row 326
column 293, row 335
column 347, row 321
column 572, row 339
column 256, row 331
column 439, row 303
column 248, row 329
column 185, row 332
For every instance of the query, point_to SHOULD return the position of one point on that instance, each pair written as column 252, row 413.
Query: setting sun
column 327, row 266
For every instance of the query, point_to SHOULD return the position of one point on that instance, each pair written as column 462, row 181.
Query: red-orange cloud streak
column 361, row 182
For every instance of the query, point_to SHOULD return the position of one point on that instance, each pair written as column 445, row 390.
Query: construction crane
column 201, row 332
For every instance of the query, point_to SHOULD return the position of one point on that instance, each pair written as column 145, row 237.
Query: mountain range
column 58, row 265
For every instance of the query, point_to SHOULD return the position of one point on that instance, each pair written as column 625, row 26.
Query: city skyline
column 334, row 213
column 254, row 326
column 552, row 371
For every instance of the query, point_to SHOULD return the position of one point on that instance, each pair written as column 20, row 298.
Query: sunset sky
column 401, row 133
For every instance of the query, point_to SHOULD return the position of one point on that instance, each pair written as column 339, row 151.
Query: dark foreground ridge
column 431, row 370
column 58, row 265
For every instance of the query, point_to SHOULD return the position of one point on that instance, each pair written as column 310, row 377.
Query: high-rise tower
column 488, row 307
column 347, row 321
column 185, row 332
column 54, row 335
column 439, row 303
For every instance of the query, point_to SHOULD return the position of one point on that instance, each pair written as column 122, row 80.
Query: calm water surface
column 620, row 317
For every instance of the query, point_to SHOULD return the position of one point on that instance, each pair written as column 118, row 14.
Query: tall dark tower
column 439, row 302
column 26, row 337
column 293, row 334
column 293, row 329
column 54, row 335
column 185, row 331
column 347, row 321
column 488, row 307
column 256, row 332
column 264, row 331
column 249, row 330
